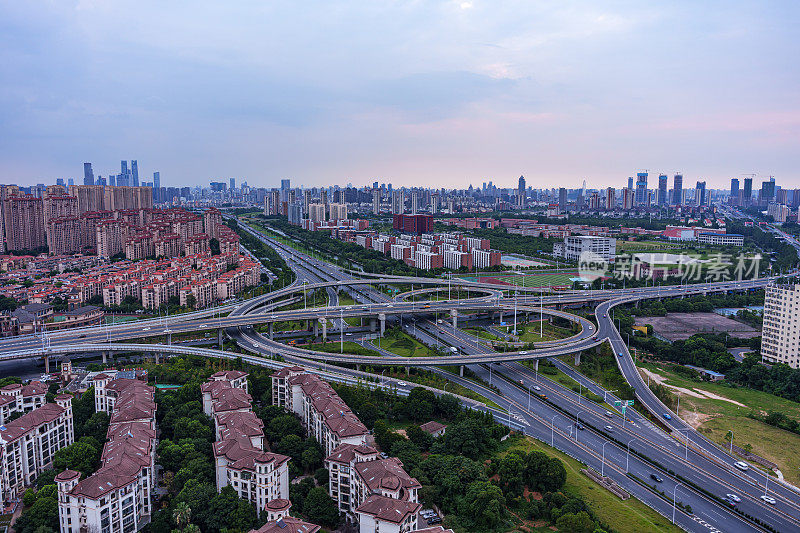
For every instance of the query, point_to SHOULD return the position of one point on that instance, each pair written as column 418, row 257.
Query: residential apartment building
column 779, row 334
column 117, row 497
column 18, row 398
column 485, row 258
column 258, row 476
column 23, row 218
column 324, row 415
column 28, row 444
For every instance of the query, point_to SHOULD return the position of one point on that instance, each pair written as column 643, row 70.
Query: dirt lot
column 680, row 326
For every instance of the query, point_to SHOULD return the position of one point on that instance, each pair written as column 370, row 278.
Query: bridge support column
column 501, row 317
column 316, row 328
column 46, row 364
column 219, row 336
column 382, row 319
column 358, row 368
column 461, row 371
column 536, row 365
column 271, row 334
column 454, row 314
column 158, row 358
column 577, row 358
column 105, row 357
column 372, row 324
column 408, row 370
column 324, row 329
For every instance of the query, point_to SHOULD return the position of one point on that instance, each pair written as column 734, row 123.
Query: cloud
column 418, row 92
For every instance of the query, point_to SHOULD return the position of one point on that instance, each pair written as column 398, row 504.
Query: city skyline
column 432, row 93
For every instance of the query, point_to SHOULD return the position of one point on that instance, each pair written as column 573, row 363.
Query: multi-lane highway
column 627, row 450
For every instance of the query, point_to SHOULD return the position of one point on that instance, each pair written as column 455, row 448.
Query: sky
column 414, row 93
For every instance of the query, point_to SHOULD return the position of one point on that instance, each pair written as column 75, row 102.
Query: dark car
column 656, row 478
column 580, row 426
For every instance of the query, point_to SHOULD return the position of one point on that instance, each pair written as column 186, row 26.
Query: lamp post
column 628, row 455
column 553, row 429
column 605, row 395
column 674, row 492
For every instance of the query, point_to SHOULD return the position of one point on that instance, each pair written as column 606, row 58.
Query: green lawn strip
column 483, row 334
column 629, row 516
column 336, row 347
column 714, row 418
column 438, row 382
column 404, row 345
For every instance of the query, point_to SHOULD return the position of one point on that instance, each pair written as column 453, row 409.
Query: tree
column 483, row 505
column 512, row 472
column 468, row 437
column 191, row 301
column 41, row 516
column 80, row 456
column 420, row 438
column 579, row 522
column 185, row 428
column 182, row 514
column 96, row 426
column 319, row 508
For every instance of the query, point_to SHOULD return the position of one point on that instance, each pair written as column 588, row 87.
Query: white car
column 537, row 387
column 769, row 499
column 741, row 465
column 523, row 352
column 733, row 497
column 146, row 329
column 402, row 383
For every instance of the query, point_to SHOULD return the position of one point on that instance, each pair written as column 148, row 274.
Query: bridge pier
column 454, row 314
column 578, row 359
column 536, row 365
column 46, row 364
column 316, row 327
column 271, row 334
column 372, row 324
column 358, row 367
column 158, row 358
column 382, row 319
column 408, row 370
column 105, row 357
column 219, row 336
column 461, row 371
column 324, row 329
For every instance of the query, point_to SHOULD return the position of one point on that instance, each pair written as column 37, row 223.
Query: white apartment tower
column 779, row 336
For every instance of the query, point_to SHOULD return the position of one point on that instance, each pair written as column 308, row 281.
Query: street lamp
column 553, row 429
column 674, row 492
column 628, row 455
column 605, row 394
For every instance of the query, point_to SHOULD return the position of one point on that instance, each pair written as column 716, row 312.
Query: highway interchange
column 628, row 450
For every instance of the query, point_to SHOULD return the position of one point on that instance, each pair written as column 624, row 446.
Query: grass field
column 349, row 347
column 649, row 246
column 530, row 331
column 630, row 516
column 715, row 417
column 483, row 334
column 404, row 345
column 533, row 279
